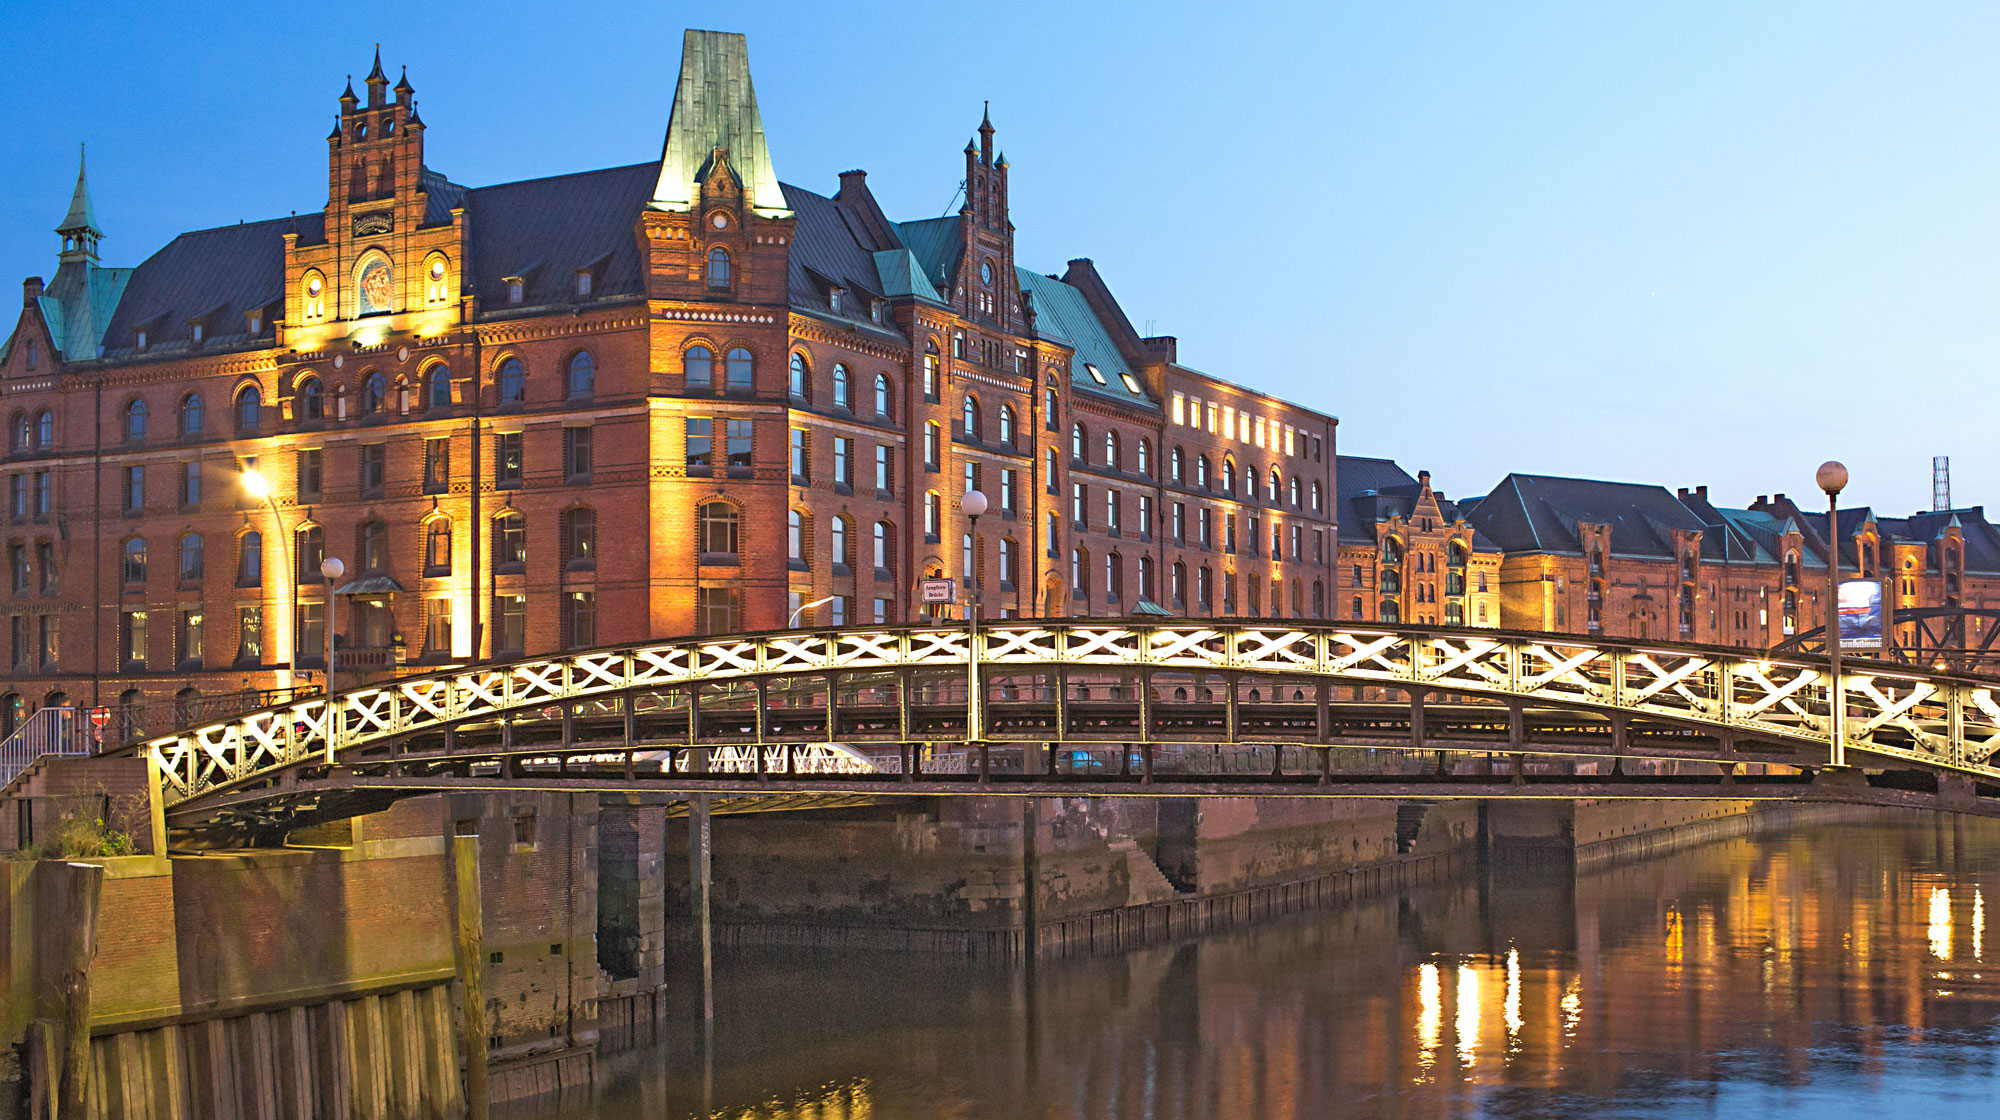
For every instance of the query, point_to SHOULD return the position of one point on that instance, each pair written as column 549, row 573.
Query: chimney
column 853, row 180
column 1702, row 491
column 31, row 290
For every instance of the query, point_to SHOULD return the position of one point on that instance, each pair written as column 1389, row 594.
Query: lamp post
column 259, row 487
column 331, row 569
column 1832, row 478
column 974, row 504
column 804, row 607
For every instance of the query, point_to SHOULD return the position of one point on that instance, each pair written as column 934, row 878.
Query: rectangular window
column 1319, row 548
column 187, row 639
column 881, row 611
column 1180, row 522
column 838, row 610
column 1146, row 515
column 883, row 473
column 1006, row 490
column 738, row 434
column 843, row 461
column 1180, row 409
column 1111, row 510
column 1257, row 431
column 581, row 607
column 17, row 566
column 718, row 610
column 1254, row 537
column 20, row 650
column 51, row 642
column 576, row 454
column 931, row 446
column 437, row 465
column 507, row 460
column 190, row 484
column 1054, row 528
column 700, row 445
column 132, row 640
column 45, row 560
column 801, row 458
column 374, row 468
column 1229, row 532
column 17, row 496
column 310, row 478
column 1202, row 524
column 971, row 478
column 135, row 489
column 45, row 493
column 1077, row 509
column 250, row 635
column 437, row 626
column 510, row 618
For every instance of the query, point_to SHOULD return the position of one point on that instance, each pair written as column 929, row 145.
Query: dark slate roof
column 829, row 251
column 219, row 274
column 440, row 196
column 1725, row 539
column 1536, row 513
column 543, row 230
column 1372, row 490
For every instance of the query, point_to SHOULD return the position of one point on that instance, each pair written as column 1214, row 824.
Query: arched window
column 931, row 365
column 135, row 560
column 135, row 421
column 437, row 547
column 971, row 417
column 719, row 529
column 1174, row 465
column 1049, row 463
column 1114, row 577
column 1201, row 471
column 1078, row 440
column 582, row 376
column 374, row 546
column 310, row 552
column 883, row 553
column 1079, row 573
column 1295, row 491
column 698, row 368
column 191, row 416
column 718, row 267
column 1356, row 605
column 374, row 393
column 1228, row 475
column 800, row 384
column 191, row 558
column 1390, row 611
column 842, row 548
column 311, row 401
column 250, row 559
column 1272, row 487
column 249, row 409
column 1319, row 600
column 1146, row 578
column 512, row 381
column 840, row 388
column 1050, row 419
column 45, row 430
column 737, row 370
column 1315, row 498
column 20, row 432
column 510, row 541
column 580, row 545
column 1007, row 425
column 931, row 515
column 795, row 536
column 1111, row 450
column 1146, row 457
column 437, row 387
column 1179, row 588
column 882, row 396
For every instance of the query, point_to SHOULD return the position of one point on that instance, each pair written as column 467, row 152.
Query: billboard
column 1860, row 614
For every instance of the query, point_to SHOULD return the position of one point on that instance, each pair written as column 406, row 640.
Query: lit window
column 718, row 267
column 1095, row 374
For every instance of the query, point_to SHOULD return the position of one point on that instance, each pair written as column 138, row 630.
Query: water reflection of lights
column 1467, row 1023
column 1513, row 1008
column 1978, row 925
column 1572, row 1006
column 1676, row 939
column 1430, row 1016
column 1940, row 928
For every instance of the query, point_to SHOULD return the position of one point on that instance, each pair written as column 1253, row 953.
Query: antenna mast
column 1940, row 482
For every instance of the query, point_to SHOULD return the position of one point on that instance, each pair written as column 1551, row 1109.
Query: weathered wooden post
column 471, row 971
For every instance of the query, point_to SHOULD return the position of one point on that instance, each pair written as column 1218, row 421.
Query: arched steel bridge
column 1108, row 707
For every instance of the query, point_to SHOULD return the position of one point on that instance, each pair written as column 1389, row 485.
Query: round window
column 312, row 286
column 437, row 270
column 986, row 272
column 720, row 221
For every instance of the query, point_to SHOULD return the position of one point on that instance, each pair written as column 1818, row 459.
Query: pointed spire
column 347, row 97
column 79, row 227
column 403, row 86
column 376, row 75
column 715, row 106
column 335, row 134
column 971, row 146
column 415, row 121
column 986, row 134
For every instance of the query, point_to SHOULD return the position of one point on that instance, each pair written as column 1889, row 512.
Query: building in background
column 1407, row 554
column 670, row 398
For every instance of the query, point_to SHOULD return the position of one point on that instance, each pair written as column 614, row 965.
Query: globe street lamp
column 974, row 504
column 330, row 569
column 804, row 607
column 1832, row 478
column 259, row 488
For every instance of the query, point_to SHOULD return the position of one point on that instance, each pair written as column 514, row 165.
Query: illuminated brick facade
column 644, row 401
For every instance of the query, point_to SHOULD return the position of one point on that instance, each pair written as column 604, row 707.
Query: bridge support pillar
column 700, row 871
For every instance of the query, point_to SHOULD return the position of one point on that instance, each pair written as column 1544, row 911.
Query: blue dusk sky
column 1680, row 243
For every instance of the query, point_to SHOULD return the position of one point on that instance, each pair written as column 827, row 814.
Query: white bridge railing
column 60, row 731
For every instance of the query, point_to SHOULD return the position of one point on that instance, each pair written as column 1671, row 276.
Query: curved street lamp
column 974, row 504
column 259, row 488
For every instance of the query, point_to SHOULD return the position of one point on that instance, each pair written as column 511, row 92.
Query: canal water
column 1843, row 970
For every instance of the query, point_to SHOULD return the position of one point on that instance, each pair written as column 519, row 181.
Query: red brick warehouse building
column 661, row 399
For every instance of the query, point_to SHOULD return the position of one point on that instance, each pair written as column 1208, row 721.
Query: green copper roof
column 80, row 216
column 935, row 241
column 715, row 107
column 902, row 275
column 1062, row 313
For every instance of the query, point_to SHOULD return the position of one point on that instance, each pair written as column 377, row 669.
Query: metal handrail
column 57, row 731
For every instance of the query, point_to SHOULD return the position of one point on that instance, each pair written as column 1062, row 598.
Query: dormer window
column 255, row 321
column 833, row 300
column 583, row 283
column 958, row 346
column 196, row 332
column 875, row 310
column 139, row 339
column 516, row 288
